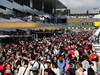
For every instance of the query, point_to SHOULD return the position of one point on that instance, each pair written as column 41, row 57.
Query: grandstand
column 15, row 6
column 28, row 6
column 29, row 10
column 47, row 5
column 34, row 22
column 77, row 20
column 83, row 20
column 43, row 12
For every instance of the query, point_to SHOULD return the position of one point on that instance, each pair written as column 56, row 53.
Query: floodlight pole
column 43, row 5
column 31, row 3
column 55, row 12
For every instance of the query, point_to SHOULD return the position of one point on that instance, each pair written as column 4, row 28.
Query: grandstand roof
column 6, row 4
column 56, row 3
column 47, row 5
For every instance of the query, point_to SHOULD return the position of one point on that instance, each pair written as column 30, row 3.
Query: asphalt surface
column 98, row 67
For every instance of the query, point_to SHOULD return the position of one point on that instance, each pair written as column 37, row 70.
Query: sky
column 82, row 5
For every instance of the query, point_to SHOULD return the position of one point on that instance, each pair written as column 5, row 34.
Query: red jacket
column 6, row 74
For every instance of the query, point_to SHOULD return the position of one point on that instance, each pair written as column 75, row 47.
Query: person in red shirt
column 1, row 68
column 8, row 70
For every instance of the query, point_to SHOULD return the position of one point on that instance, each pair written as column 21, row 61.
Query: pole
column 31, row 3
column 55, row 12
column 43, row 5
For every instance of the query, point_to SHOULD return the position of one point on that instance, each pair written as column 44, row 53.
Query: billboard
column 97, row 24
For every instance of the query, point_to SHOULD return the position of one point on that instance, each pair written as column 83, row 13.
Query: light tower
column 31, row 3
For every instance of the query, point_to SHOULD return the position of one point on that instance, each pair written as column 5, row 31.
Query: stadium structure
column 42, row 11
column 38, row 13
column 29, row 9
column 33, row 19
column 24, row 18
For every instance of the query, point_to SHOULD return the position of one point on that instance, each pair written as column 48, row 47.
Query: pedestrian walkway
column 98, row 67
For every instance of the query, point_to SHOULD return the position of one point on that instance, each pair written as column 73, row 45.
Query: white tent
column 4, row 36
column 97, row 16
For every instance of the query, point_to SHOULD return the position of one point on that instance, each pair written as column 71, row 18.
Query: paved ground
column 98, row 68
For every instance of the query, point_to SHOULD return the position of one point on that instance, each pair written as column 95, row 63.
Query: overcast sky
column 81, row 5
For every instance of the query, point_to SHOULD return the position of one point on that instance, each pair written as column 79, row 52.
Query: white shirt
column 56, row 71
column 42, row 68
column 22, row 70
column 94, row 67
column 35, row 63
column 85, row 64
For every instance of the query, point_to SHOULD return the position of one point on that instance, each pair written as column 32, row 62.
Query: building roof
column 47, row 5
column 55, row 3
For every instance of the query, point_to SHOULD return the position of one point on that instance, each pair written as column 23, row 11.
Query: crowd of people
column 66, row 54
